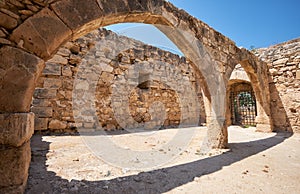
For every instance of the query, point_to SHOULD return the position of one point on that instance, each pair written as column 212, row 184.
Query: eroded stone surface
column 18, row 73
column 15, row 129
column 14, row 164
column 48, row 31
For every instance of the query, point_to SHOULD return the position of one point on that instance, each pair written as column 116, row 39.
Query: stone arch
column 256, row 72
column 63, row 20
column 37, row 38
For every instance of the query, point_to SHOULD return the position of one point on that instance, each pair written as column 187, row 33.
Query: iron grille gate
column 243, row 108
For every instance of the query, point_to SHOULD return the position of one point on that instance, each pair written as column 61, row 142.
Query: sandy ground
column 254, row 163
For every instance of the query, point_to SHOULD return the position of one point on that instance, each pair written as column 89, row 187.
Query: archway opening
column 243, row 109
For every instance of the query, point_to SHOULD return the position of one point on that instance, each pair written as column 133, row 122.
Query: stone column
column 19, row 72
column 217, row 135
column 15, row 132
column 263, row 121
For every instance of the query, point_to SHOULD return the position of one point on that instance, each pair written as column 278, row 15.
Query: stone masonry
column 52, row 103
column 32, row 31
column 284, row 63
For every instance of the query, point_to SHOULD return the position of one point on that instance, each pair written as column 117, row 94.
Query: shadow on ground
column 156, row 181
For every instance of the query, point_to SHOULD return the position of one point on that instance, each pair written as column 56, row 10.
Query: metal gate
column 243, row 108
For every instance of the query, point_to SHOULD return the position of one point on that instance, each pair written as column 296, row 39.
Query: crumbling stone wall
column 52, row 103
column 284, row 63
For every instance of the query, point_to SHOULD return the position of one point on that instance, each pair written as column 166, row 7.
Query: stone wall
column 284, row 63
column 53, row 97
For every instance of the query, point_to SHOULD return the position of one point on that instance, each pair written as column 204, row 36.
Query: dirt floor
column 255, row 163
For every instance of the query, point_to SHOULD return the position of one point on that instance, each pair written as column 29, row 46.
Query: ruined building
column 38, row 61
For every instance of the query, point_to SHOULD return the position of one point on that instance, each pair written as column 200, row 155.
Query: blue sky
column 248, row 23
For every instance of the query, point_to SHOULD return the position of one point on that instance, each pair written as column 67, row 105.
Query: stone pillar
column 217, row 135
column 19, row 72
column 263, row 121
column 15, row 132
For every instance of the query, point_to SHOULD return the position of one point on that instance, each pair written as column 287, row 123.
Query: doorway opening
column 243, row 105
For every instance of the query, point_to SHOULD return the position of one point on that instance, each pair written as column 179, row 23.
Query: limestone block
column 16, row 128
column 14, row 164
column 273, row 72
column 4, row 41
column 280, row 61
column 7, row 21
column 9, row 13
column 41, row 102
column 56, row 124
column 107, row 77
column 106, row 67
column 40, row 124
column 298, row 74
column 50, row 32
column 42, row 112
column 64, row 52
column 58, row 59
column 18, row 77
column 66, row 71
column 52, row 83
column 44, row 93
column 80, row 16
column 52, row 69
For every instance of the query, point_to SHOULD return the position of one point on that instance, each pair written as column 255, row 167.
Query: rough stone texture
column 41, row 31
column 194, row 38
column 16, row 128
column 18, row 73
column 41, row 124
column 7, row 21
column 284, row 60
column 14, row 164
column 52, row 69
column 75, row 15
column 52, row 101
column 44, row 39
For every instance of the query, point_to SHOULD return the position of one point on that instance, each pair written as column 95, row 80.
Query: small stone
column 58, row 59
column 2, row 34
column 52, row 69
column 75, row 49
column 11, row 14
column 105, row 67
column 56, row 124
column 33, row 8
column 273, row 71
column 40, row 124
column 4, row 41
column 280, row 61
column 52, row 83
column 7, row 21
column 64, row 52
column 26, row 12
column 298, row 74
column 66, row 71
column 44, row 93
column 42, row 112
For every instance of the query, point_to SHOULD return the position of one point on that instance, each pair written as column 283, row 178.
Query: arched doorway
column 242, row 104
